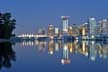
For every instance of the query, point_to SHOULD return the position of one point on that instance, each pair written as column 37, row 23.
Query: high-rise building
column 105, row 26
column 65, row 23
column 57, row 31
column 70, row 31
column 92, row 26
column 100, row 27
column 51, row 31
column 84, row 29
column 75, row 30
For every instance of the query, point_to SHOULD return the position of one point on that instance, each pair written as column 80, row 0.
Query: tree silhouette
column 7, row 55
column 7, row 25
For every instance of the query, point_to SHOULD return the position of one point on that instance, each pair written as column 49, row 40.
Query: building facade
column 92, row 26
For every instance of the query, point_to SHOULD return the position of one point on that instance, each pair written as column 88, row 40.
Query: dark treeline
column 7, row 25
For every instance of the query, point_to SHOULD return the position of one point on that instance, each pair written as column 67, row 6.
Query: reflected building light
column 93, row 42
column 70, row 46
column 29, row 43
column 100, row 50
column 32, row 43
column 84, row 48
column 50, row 52
column 75, row 42
column 51, row 47
column 42, row 43
column 57, row 47
column 24, row 44
column 36, row 42
column 60, row 44
column 76, row 39
column 92, row 52
column 65, row 59
column 105, row 51
column 76, row 46
column 71, row 50
column 41, row 49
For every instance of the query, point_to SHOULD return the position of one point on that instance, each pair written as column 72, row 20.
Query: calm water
column 54, row 56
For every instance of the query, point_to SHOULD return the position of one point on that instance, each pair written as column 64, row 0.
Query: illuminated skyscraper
column 84, row 29
column 105, row 26
column 75, row 30
column 65, row 23
column 92, row 26
column 57, row 31
column 51, row 31
column 70, row 31
column 100, row 27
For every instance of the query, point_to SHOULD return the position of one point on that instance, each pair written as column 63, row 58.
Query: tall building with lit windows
column 51, row 31
column 105, row 26
column 57, row 31
column 100, row 27
column 65, row 23
column 75, row 30
column 84, row 29
column 92, row 26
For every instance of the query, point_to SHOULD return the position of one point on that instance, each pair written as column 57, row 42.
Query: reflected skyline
column 89, row 49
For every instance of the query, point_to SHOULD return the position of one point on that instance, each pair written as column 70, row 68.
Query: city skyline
column 53, row 35
column 89, row 27
column 38, row 13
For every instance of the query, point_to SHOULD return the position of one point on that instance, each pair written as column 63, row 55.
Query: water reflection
column 90, row 49
column 6, row 55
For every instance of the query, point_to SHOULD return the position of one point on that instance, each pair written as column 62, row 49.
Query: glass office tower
column 92, row 26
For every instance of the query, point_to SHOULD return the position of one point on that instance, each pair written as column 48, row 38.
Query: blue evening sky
column 34, row 14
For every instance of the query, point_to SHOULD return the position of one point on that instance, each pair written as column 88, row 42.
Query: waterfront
column 54, row 56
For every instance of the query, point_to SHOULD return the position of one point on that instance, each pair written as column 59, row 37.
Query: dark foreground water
column 54, row 56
